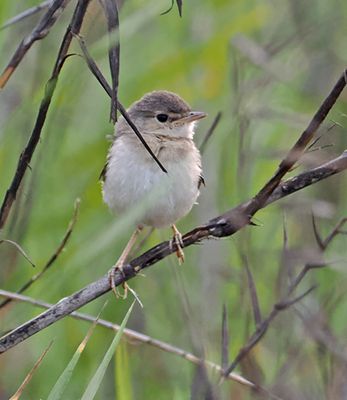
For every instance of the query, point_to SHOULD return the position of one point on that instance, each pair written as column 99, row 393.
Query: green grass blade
column 58, row 389
column 122, row 373
column 95, row 382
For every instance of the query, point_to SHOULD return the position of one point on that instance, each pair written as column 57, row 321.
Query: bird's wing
column 102, row 175
column 201, row 181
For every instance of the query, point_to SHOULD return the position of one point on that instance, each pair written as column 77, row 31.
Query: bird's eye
column 162, row 117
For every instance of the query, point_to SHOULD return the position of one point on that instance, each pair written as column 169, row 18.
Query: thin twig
column 253, row 294
column 19, row 248
column 225, row 339
column 210, row 131
column 27, row 13
column 334, row 232
column 27, row 153
column 169, row 9
column 179, row 6
column 316, row 233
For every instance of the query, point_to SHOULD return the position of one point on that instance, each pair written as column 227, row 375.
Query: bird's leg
column 177, row 240
column 120, row 262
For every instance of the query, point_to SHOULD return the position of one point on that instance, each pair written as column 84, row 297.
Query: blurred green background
column 266, row 65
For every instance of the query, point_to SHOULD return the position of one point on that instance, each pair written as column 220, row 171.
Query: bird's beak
column 193, row 116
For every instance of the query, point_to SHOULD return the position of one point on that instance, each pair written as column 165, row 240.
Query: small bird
column 167, row 124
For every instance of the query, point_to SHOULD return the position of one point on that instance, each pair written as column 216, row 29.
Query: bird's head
column 164, row 113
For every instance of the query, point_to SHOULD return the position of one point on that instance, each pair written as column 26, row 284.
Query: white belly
column 133, row 178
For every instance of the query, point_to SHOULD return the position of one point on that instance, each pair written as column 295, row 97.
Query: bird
column 167, row 123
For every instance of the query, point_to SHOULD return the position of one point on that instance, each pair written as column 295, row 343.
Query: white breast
column 132, row 177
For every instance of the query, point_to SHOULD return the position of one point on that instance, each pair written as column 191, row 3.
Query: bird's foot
column 177, row 242
column 112, row 276
column 118, row 267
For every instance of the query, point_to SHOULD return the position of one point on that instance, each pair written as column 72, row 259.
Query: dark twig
column 223, row 225
column 19, row 248
column 40, row 31
column 225, row 339
column 316, row 233
column 210, row 131
column 179, row 6
column 111, row 11
column 253, row 294
column 101, row 79
column 337, row 230
column 26, row 155
column 303, row 273
column 54, row 256
column 27, row 13
column 169, row 9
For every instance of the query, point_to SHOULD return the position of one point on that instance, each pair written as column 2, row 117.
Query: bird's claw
column 112, row 276
column 177, row 242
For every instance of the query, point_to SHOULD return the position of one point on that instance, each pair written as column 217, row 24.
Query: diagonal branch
column 223, row 225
